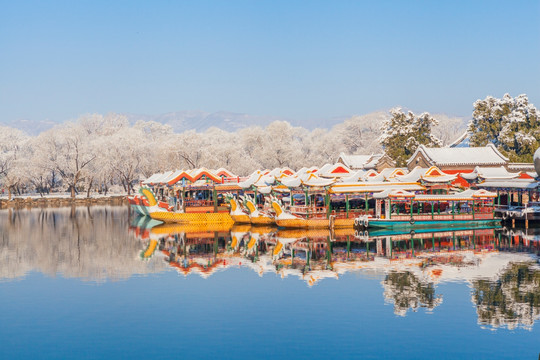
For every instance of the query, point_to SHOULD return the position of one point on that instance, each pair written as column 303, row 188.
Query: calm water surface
column 101, row 283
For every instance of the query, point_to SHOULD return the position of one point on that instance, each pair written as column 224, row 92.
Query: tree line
column 105, row 152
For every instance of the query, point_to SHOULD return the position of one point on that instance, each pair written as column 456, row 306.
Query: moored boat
column 192, row 217
column 256, row 216
column 405, row 210
column 237, row 214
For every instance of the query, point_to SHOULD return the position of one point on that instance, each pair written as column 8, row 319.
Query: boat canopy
column 394, row 193
column 513, row 184
column 372, row 187
column 467, row 195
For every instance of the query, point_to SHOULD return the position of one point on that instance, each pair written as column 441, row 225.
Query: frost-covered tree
column 449, row 128
column 41, row 177
column 403, row 133
column 12, row 145
column 280, row 146
column 359, row 134
column 511, row 124
column 124, row 156
column 189, row 149
column 67, row 150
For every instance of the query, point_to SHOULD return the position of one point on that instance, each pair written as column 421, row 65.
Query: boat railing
column 444, row 217
column 352, row 214
column 233, row 180
column 307, row 210
column 198, row 203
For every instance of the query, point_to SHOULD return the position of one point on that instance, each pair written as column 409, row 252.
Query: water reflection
column 100, row 243
column 512, row 300
column 406, row 291
column 89, row 243
column 498, row 264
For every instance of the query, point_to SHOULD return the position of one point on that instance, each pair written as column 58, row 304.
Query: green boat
column 398, row 209
column 430, row 224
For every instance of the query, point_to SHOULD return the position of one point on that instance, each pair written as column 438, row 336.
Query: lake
column 99, row 282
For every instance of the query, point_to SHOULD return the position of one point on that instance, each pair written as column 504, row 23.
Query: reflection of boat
column 303, row 233
column 150, row 249
column 316, row 233
column 423, row 232
column 315, row 254
column 173, row 228
column 145, row 222
column 261, row 229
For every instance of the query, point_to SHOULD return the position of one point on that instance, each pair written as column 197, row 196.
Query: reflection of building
column 410, row 265
column 94, row 243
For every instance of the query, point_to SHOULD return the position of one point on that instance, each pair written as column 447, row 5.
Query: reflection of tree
column 406, row 291
column 512, row 301
column 91, row 243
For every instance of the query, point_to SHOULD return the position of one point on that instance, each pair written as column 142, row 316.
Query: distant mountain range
column 182, row 121
column 31, row 127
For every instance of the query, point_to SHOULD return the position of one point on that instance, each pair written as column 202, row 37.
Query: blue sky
column 295, row 60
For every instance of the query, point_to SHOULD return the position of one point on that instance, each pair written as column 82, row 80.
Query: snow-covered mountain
column 31, row 127
column 197, row 120
column 181, row 121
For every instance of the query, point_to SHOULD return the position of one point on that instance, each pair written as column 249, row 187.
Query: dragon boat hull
column 177, row 228
column 262, row 220
column 192, row 218
column 317, row 223
column 140, row 209
column 402, row 224
column 241, row 219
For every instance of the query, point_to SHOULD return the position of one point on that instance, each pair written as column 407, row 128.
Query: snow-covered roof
column 291, row 182
column 334, row 170
column 462, row 196
column 372, row 163
column 307, row 179
column 388, row 174
column 462, row 141
column 355, row 177
column 314, row 180
column 223, row 172
column 413, row 176
column 152, row 178
column 521, row 167
column 355, row 162
column 492, row 173
column 163, row 178
column 510, row 184
column 393, row 193
column 254, row 177
column 432, row 175
column 487, row 155
column 368, row 187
